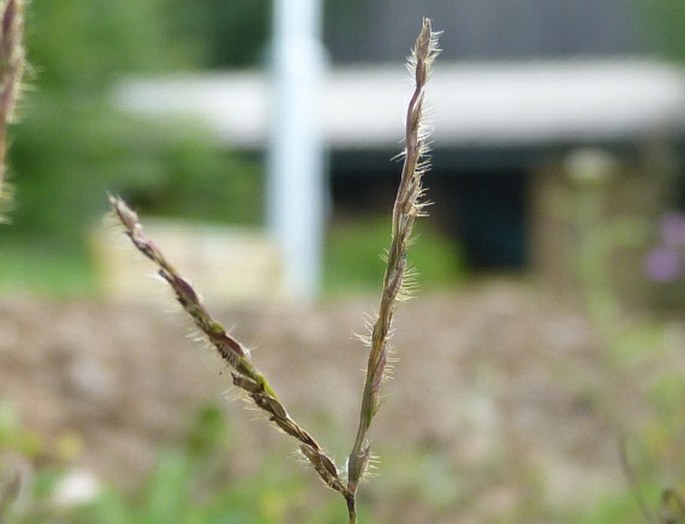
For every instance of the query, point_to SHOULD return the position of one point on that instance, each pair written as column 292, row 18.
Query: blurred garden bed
column 506, row 407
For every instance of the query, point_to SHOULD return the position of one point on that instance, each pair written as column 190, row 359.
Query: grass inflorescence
column 245, row 374
column 409, row 205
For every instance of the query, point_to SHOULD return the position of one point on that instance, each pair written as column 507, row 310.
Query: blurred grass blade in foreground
column 12, row 64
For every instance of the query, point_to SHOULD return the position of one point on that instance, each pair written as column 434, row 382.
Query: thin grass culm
column 408, row 206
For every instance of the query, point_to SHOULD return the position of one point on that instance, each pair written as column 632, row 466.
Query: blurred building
column 520, row 88
column 374, row 30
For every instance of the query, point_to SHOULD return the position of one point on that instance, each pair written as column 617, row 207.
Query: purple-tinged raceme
column 408, row 206
column 245, row 375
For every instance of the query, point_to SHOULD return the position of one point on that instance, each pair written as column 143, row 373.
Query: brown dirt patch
column 507, row 386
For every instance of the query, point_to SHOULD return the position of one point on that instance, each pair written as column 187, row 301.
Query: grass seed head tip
column 126, row 215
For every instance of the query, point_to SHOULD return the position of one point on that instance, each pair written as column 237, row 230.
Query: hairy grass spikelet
column 409, row 205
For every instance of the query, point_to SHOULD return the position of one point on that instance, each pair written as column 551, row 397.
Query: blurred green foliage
column 71, row 146
column 663, row 22
column 41, row 269
column 354, row 257
column 235, row 33
column 655, row 454
column 194, row 483
column 82, row 45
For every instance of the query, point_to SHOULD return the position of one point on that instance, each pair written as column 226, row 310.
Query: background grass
column 37, row 268
column 353, row 261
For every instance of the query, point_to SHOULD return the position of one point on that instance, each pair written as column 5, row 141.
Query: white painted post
column 296, row 162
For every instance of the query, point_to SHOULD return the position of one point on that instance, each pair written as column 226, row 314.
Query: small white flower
column 589, row 165
column 77, row 487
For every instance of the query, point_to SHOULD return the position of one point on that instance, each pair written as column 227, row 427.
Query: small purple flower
column 672, row 229
column 664, row 265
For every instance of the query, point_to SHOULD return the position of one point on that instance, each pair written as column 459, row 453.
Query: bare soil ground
column 510, row 388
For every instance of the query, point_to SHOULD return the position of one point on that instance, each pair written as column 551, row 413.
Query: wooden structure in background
column 225, row 264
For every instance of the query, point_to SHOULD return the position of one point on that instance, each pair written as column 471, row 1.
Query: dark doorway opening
column 490, row 219
column 484, row 210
